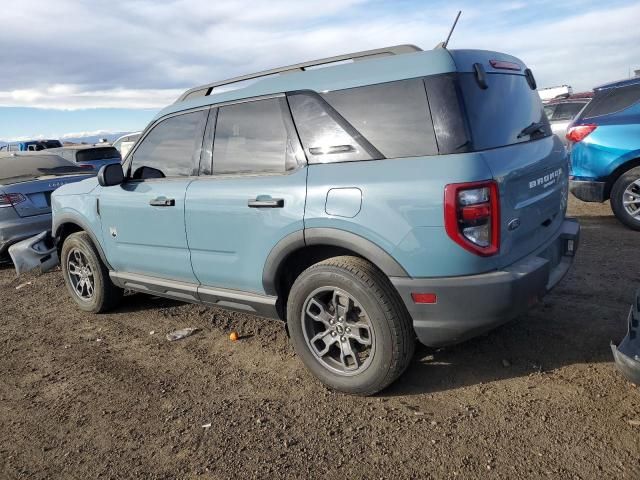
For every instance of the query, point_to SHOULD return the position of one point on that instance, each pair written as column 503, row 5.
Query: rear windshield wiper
column 535, row 127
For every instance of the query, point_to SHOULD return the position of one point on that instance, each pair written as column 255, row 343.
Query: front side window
column 172, row 147
column 255, row 137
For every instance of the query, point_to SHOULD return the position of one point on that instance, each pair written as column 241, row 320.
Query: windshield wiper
column 535, row 127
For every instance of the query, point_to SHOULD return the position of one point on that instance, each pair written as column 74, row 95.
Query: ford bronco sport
column 365, row 199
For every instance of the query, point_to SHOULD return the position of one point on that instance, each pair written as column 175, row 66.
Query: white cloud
column 73, row 54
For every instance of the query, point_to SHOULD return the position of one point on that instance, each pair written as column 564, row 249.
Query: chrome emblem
column 513, row 224
column 56, row 184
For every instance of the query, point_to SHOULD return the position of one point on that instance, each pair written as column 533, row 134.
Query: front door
column 143, row 222
column 250, row 194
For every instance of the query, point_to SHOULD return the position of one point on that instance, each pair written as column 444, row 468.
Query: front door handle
column 266, row 202
column 162, row 202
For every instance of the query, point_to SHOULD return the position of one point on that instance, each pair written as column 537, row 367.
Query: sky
column 74, row 67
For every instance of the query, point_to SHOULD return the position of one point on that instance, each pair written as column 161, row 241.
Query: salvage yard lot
column 87, row 396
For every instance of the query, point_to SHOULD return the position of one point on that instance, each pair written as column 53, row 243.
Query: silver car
column 26, row 182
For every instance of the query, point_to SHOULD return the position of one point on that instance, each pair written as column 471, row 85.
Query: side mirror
column 110, row 175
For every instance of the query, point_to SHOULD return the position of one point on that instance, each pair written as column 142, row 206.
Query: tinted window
column 255, row 137
column 566, row 111
column 93, row 154
column 548, row 110
column 612, row 100
column 325, row 135
column 498, row 114
column 394, row 116
column 447, row 113
column 172, row 147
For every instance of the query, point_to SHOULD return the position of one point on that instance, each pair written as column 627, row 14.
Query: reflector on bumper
column 627, row 354
column 34, row 252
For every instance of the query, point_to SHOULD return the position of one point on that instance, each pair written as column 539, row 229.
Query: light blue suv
column 365, row 199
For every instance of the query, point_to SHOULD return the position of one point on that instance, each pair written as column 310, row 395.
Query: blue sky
column 98, row 66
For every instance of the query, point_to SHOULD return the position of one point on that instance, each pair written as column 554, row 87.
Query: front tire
column 349, row 326
column 86, row 277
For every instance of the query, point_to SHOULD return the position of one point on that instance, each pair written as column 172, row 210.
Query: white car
column 125, row 142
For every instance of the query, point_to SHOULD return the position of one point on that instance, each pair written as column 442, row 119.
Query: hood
column 77, row 188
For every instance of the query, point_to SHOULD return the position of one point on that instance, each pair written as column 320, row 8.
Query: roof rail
column 205, row 90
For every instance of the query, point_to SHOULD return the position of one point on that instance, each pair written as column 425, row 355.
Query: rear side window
column 325, row 134
column 393, row 116
column 255, row 137
column 612, row 100
column 566, row 111
column 172, row 147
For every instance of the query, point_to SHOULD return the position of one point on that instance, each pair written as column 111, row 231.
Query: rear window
column 96, row 154
column 612, row 100
column 566, row 111
column 499, row 114
column 26, row 166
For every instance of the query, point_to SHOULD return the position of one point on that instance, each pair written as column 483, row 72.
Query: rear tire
column 349, row 326
column 624, row 195
column 86, row 277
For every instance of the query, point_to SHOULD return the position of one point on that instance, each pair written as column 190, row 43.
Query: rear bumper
column 469, row 305
column 14, row 230
column 587, row 190
column 627, row 353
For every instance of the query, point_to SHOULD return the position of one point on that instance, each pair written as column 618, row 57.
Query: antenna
column 455, row 22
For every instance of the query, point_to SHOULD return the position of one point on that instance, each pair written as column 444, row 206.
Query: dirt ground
column 88, row 396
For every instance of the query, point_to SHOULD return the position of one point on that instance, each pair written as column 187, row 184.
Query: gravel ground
column 88, row 396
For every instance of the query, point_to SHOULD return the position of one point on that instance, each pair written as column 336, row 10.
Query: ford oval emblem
column 513, row 224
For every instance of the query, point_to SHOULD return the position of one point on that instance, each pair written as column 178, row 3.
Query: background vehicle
column 605, row 150
column 31, row 145
column 26, row 183
column 94, row 156
column 550, row 93
column 562, row 111
column 125, row 142
column 317, row 197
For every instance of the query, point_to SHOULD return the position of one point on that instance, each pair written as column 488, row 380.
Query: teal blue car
column 367, row 200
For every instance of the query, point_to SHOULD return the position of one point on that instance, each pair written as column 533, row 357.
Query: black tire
column 618, row 197
column 393, row 339
column 106, row 295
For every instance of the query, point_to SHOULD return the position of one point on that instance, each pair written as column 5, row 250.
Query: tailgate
column 533, row 183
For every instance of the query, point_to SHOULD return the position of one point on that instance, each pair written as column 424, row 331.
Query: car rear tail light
column 472, row 216
column 10, row 199
column 579, row 132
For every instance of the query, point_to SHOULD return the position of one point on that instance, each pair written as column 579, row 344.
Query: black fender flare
column 62, row 219
column 332, row 237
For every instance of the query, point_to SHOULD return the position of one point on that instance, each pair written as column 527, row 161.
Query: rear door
column 143, row 224
column 508, row 127
column 250, row 193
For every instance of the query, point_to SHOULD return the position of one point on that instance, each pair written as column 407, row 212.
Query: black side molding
column 333, row 238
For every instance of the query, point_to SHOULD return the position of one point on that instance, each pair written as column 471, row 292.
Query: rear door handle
column 266, row 202
column 162, row 202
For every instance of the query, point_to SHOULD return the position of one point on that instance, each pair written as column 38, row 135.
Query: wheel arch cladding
column 317, row 244
column 618, row 172
column 65, row 225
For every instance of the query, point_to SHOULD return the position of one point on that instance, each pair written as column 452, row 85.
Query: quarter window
column 393, row 116
column 255, row 137
column 172, row 148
